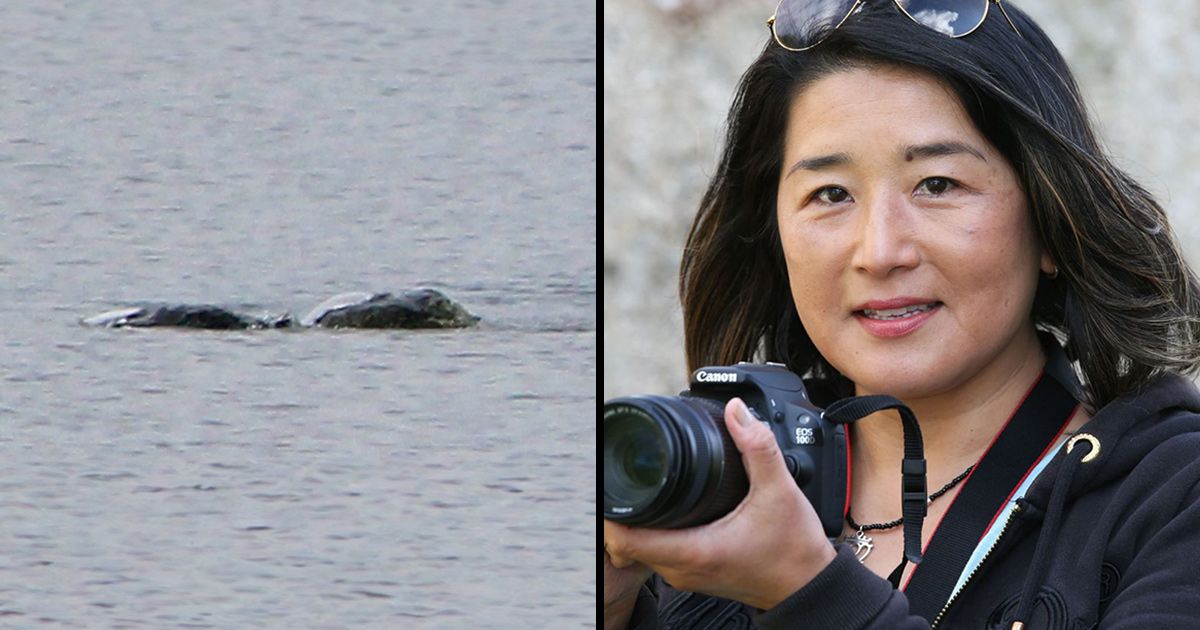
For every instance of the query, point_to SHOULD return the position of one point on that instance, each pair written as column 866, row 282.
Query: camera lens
column 669, row 462
column 638, row 452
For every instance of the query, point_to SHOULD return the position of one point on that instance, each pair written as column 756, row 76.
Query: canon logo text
column 716, row 377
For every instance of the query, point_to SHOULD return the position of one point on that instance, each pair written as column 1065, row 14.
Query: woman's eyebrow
column 938, row 149
column 819, row 163
column 911, row 152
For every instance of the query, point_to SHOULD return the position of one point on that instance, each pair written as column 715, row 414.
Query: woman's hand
column 764, row 550
column 621, row 588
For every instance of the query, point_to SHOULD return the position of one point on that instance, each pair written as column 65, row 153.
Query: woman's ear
column 1047, row 265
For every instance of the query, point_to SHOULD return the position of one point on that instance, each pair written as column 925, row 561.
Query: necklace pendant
column 862, row 545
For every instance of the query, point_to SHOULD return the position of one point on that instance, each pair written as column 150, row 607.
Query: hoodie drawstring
column 1054, row 510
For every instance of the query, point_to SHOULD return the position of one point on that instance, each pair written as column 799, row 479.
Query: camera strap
column 1029, row 434
column 915, row 500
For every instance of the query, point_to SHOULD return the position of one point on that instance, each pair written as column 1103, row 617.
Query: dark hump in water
column 204, row 316
column 420, row 308
column 197, row 316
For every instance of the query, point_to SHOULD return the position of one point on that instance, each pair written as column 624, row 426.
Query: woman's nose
column 886, row 238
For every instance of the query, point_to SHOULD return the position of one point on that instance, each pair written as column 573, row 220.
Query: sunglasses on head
column 802, row 24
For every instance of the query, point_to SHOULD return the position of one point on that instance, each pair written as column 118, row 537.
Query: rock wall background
column 670, row 67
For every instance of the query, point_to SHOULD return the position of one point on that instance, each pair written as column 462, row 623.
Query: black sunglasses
column 802, row 24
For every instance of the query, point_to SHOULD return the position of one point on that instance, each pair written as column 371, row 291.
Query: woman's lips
column 895, row 318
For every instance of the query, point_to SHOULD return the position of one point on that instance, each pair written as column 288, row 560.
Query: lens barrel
column 669, row 462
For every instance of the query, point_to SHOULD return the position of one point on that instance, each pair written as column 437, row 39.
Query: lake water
column 265, row 156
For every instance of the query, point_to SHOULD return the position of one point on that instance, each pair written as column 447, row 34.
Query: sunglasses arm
column 1000, row 5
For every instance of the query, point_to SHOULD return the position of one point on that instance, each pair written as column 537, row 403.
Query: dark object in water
column 185, row 316
column 419, row 308
column 422, row 308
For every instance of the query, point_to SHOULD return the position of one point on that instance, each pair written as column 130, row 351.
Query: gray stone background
column 670, row 67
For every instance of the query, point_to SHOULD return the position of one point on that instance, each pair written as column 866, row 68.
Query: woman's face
column 910, row 251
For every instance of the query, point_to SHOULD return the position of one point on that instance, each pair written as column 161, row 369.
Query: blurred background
column 669, row 73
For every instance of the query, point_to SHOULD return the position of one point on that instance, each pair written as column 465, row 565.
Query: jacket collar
column 1127, row 429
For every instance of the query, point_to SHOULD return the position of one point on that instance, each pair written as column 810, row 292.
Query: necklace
column 863, row 543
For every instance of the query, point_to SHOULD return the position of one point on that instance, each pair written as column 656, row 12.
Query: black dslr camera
column 669, row 462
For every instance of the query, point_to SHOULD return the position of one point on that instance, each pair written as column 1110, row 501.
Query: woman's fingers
column 760, row 452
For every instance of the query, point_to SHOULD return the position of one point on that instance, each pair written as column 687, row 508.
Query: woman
column 911, row 202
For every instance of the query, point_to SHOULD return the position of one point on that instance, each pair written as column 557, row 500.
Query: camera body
column 669, row 461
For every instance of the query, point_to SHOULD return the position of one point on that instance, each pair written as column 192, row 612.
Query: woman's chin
column 905, row 382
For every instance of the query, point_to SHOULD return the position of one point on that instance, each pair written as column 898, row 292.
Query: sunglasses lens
column 951, row 17
column 801, row 24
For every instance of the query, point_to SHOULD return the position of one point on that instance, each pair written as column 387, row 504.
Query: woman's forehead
column 880, row 108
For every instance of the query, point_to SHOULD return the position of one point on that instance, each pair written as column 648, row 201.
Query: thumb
column 756, row 442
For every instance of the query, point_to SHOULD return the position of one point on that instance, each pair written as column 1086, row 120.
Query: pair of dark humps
column 418, row 308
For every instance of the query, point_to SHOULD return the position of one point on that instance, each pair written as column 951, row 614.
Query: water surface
column 266, row 156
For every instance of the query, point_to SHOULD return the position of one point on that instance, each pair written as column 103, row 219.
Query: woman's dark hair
column 1125, row 303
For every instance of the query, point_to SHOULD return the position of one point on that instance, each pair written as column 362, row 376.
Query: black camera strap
column 1030, row 432
column 914, row 492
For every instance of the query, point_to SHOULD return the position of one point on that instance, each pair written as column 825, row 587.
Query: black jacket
column 1119, row 534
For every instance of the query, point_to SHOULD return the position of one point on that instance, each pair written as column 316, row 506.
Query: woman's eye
column 935, row 186
column 831, row 195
